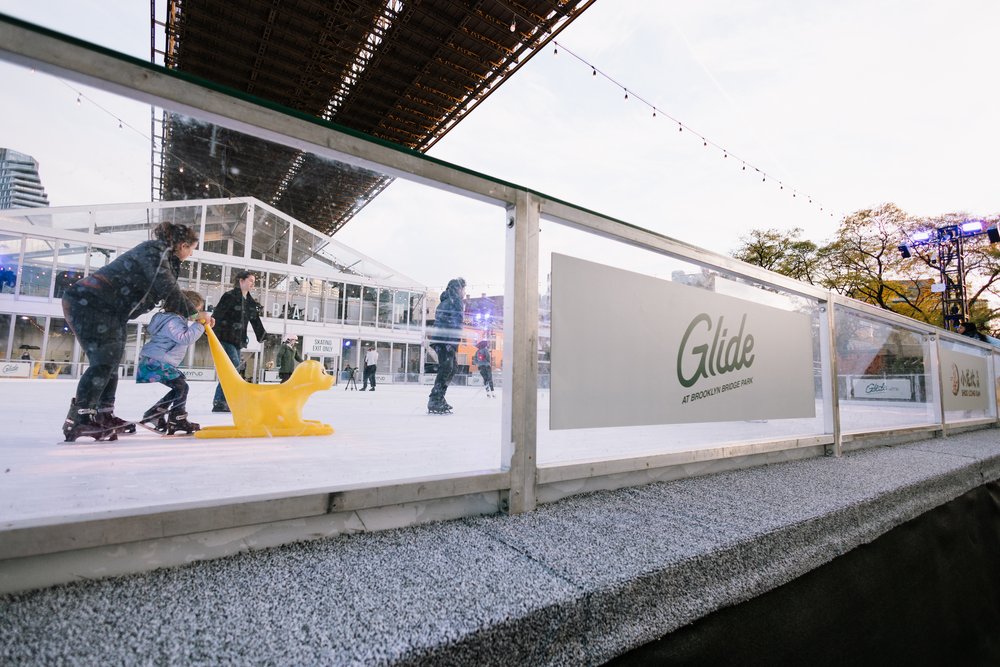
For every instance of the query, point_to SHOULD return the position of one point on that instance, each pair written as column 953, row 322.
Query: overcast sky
column 853, row 103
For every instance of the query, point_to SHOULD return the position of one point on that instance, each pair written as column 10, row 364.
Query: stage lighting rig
column 950, row 240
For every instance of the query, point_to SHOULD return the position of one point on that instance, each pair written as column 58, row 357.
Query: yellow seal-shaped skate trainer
column 266, row 410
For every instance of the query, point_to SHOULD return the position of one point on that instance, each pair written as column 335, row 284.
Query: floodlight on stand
column 904, row 252
column 921, row 236
column 972, row 227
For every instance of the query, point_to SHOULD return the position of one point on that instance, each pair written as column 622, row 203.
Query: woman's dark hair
column 174, row 234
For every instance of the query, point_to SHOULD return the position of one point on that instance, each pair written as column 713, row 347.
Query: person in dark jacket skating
column 171, row 334
column 97, row 309
column 444, row 341
column 288, row 357
column 485, row 365
column 235, row 310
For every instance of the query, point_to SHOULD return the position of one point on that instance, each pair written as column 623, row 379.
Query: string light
column 513, row 25
column 680, row 125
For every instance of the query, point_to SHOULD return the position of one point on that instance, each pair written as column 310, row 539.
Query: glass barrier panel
column 37, row 268
column 884, row 374
column 968, row 390
column 129, row 227
column 71, row 262
column 10, row 261
column 5, row 331
column 371, row 255
column 58, row 350
column 226, row 229
column 641, row 354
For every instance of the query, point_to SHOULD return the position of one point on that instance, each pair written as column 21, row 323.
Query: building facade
column 335, row 299
column 20, row 184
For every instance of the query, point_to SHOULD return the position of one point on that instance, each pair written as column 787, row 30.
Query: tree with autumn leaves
column 863, row 261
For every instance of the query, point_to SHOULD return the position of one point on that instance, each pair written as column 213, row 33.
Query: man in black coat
column 235, row 310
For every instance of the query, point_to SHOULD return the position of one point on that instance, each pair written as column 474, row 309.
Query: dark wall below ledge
column 925, row 593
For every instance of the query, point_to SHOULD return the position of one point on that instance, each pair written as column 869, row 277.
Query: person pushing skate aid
column 266, row 410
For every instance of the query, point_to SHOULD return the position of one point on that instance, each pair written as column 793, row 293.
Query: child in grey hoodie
column 171, row 332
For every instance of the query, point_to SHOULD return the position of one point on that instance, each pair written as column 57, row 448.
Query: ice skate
column 155, row 418
column 83, row 423
column 106, row 417
column 438, row 407
column 178, row 421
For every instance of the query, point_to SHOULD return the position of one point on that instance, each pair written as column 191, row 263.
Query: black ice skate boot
column 83, row 423
column 106, row 417
column 438, row 407
column 177, row 421
column 156, row 418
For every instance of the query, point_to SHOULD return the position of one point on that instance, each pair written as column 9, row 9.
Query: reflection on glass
column 10, row 258
column 211, row 286
column 58, row 349
column 37, row 268
column 883, row 377
column 270, row 237
column 225, row 229
column 5, row 336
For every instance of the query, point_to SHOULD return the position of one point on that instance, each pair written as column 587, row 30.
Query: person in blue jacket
column 444, row 340
column 97, row 309
column 171, row 333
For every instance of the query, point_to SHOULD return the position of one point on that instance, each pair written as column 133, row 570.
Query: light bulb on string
column 555, row 51
column 78, row 103
column 513, row 25
column 703, row 142
column 626, row 93
column 680, row 128
column 594, row 73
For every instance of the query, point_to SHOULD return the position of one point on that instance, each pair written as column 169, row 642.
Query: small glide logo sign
column 965, row 381
column 707, row 350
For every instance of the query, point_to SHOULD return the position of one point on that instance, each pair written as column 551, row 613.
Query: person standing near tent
column 236, row 309
column 371, row 365
column 97, row 309
column 288, row 357
column 444, row 341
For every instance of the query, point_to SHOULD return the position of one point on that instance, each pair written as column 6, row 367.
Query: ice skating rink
column 379, row 437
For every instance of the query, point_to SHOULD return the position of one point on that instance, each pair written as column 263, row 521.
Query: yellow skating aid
column 270, row 410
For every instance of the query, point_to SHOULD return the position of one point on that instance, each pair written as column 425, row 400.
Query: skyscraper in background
column 20, row 184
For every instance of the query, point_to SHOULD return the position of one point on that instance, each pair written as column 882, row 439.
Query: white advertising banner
column 15, row 369
column 669, row 353
column 900, row 389
column 320, row 346
column 205, row 374
column 964, row 378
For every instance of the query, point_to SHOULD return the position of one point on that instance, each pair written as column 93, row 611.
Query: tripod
column 351, row 382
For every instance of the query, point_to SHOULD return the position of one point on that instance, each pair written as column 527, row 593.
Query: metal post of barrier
column 831, row 390
column 936, row 361
column 520, row 396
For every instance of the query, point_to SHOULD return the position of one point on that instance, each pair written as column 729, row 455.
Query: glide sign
column 628, row 349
